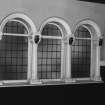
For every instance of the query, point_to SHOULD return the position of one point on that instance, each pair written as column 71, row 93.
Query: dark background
column 96, row 1
column 84, row 94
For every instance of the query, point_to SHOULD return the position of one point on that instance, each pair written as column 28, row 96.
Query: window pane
column 49, row 53
column 82, row 32
column 14, row 27
column 49, row 60
column 51, row 30
column 81, row 55
column 13, row 58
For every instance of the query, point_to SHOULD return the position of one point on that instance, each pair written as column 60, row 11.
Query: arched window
column 81, row 53
column 14, row 52
column 85, row 52
column 15, row 47
column 49, row 52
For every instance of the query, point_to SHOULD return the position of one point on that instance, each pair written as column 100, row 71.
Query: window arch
column 82, row 32
column 15, row 47
column 51, row 49
column 85, row 51
column 22, row 18
column 15, row 27
column 52, row 29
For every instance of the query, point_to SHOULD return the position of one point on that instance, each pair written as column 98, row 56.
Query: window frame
column 31, row 29
column 66, row 30
column 90, row 39
column 62, row 47
column 95, row 33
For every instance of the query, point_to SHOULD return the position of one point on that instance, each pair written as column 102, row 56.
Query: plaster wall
column 72, row 11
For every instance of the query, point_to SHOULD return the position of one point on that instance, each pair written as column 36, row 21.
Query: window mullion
column 16, row 34
column 51, row 37
column 83, row 38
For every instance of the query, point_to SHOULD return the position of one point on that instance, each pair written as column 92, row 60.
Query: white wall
column 8, row 6
column 70, row 10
